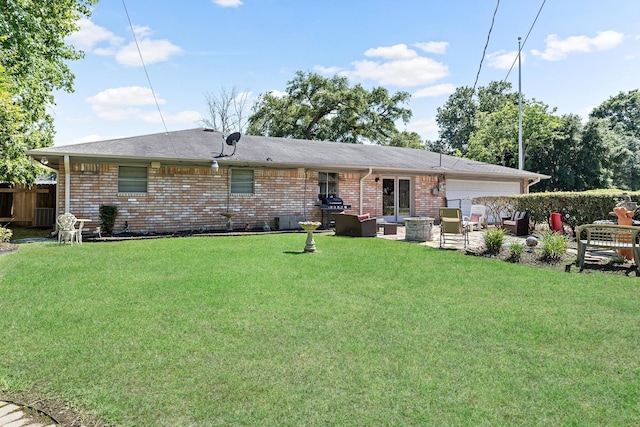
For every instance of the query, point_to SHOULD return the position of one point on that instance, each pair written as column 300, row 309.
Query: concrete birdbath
column 228, row 215
column 309, row 227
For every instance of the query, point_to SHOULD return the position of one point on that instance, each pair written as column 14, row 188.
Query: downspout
column 361, row 188
column 535, row 181
column 67, row 184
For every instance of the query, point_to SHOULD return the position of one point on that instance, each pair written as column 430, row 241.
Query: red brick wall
column 190, row 198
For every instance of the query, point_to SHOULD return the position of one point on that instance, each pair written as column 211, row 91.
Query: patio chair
column 477, row 218
column 451, row 223
column 517, row 224
column 66, row 228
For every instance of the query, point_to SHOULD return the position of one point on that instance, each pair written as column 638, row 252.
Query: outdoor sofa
column 355, row 225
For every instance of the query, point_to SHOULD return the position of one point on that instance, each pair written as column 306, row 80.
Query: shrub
column 515, row 252
column 5, row 234
column 554, row 245
column 108, row 216
column 493, row 240
column 577, row 208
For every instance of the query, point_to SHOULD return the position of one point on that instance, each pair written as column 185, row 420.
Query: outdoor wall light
column 215, row 166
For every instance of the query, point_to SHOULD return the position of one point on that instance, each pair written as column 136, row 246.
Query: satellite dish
column 233, row 138
column 230, row 140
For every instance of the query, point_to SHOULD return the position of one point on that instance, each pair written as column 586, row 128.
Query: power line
column 135, row 39
column 485, row 46
column 525, row 40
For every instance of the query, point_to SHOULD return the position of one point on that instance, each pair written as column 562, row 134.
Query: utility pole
column 520, row 149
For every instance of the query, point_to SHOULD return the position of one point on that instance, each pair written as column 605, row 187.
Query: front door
column 396, row 199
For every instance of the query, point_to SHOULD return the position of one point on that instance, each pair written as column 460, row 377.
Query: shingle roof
column 195, row 146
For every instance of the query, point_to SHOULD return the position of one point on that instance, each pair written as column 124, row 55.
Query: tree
column 622, row 109
column 226, row 111
column 496, row 138
column 457, row 118
column 33, row 53
column 14, row 165
column 407, row 140
column 456, row 121
column 320, row 108
column 616, row 122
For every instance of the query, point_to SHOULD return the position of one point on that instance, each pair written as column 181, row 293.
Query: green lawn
column 250, row 331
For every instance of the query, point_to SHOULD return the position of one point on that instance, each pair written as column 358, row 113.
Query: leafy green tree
column 496, row 138
column 457, row 119
column 407, row 139
column 33, row 53
column 320, row 108
column 14, row 165
column 616, row 122
column 622, row 109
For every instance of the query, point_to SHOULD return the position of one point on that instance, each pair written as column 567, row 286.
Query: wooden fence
column 28, row 206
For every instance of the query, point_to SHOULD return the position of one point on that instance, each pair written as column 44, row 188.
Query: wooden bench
column 606, row 236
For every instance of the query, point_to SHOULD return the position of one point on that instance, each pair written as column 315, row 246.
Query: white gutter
column 361, row 187
column 535, row 181
column 67, row 184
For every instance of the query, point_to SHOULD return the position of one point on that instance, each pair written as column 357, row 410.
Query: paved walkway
column 476, row 239
column 12, row 415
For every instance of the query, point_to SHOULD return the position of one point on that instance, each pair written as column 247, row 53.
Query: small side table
column 389, row 228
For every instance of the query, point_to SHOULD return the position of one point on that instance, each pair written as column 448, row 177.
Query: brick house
column 186, row 180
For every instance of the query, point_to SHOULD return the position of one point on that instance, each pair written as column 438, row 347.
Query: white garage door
column 461, row 192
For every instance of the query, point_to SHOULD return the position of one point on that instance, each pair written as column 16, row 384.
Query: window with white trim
column 327, row 184
column 132, row 179
column 242, row 181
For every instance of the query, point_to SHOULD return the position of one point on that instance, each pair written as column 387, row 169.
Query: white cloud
column 141, row 31
column 439, row 48
column 228, row 3
column 398, row 66
column 120, row 96
column 327, row 70
column 436, row 90
column 557, row 49
column 152, row 51
column 503, row 60
column 90, row 36
column 396, row 52
column 135, row 102
column 98, row 40
column 277, row 93
column 411, row 72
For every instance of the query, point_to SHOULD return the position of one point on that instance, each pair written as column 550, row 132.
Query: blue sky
column 579, row 53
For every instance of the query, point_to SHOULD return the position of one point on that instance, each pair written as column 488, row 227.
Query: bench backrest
column 607, row 233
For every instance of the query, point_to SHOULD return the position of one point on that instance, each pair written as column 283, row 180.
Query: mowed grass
column 250, row 331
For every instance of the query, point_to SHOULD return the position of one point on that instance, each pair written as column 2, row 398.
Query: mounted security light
column 215, row 166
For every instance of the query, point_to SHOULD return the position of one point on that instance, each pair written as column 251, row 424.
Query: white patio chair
column 477, row 218
column 66, row 228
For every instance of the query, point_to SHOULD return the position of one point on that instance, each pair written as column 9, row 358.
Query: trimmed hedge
column 577, row 208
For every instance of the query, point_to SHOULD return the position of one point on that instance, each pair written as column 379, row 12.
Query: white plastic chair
column 66, row 228
column 477, row 218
